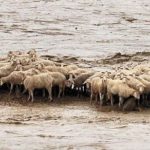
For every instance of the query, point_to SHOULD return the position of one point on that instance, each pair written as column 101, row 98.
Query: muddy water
column 75, row 27
column 71, row 124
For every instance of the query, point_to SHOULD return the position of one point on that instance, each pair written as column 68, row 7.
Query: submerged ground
column 84, row 33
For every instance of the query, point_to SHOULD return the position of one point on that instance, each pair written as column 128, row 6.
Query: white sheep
column 6, row 70
column 120, row 88
column 14, row 78
column 59, row 78
column 134, row 83
column 97, row 88
column 40, row 81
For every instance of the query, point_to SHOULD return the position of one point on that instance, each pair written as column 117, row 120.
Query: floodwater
column 86, row 28
column 71, row 125
column 82, row 28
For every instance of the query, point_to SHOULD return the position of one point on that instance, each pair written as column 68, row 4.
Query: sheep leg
column 29, row 96
column 17, row 89
column 43, row 92
column 11, row 88
column 63, row 92
column 24, row 91
column 120, row 101
column 112, row 100
column 7, row 86
column 100, row 97
column 32, row 97
column 50, row 93
column 91, row 98
column 138, row 103
column 60, row 91
column 79, row 92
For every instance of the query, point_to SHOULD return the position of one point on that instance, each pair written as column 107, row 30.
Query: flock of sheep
column 30, row 71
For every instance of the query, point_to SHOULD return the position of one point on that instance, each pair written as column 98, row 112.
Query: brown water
column 75, row 27
column 71, row 124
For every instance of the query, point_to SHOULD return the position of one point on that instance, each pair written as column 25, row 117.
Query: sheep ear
column 1, row 82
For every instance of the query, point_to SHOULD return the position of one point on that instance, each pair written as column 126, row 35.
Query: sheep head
column 14, row 62
column 19, row 68
column 136, row 95
column 39, row 66
column 87, row 83
column 125, row 79
column 69, row 83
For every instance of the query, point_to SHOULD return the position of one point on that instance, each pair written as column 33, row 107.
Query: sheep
column 134, row 83
column 3, row 64
column 145, row 77
column 25, row 61
column 27, row 67
column 130, row 72
column 120, row 88
column 43, row 68
column 97, row 88
column 97, row 74
column 147, row 87
column 78, row 81
column 6, row 70
column 40, row 81
column 129, row 105
column 87, row 82
column 71, row 67
column 143, row 68
column 30, row 71
column 16, row 77
column 16, row 54
column 77, row 72
column 33, row 55
column 57, row 69
column 44, row 62
column 59, row 78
